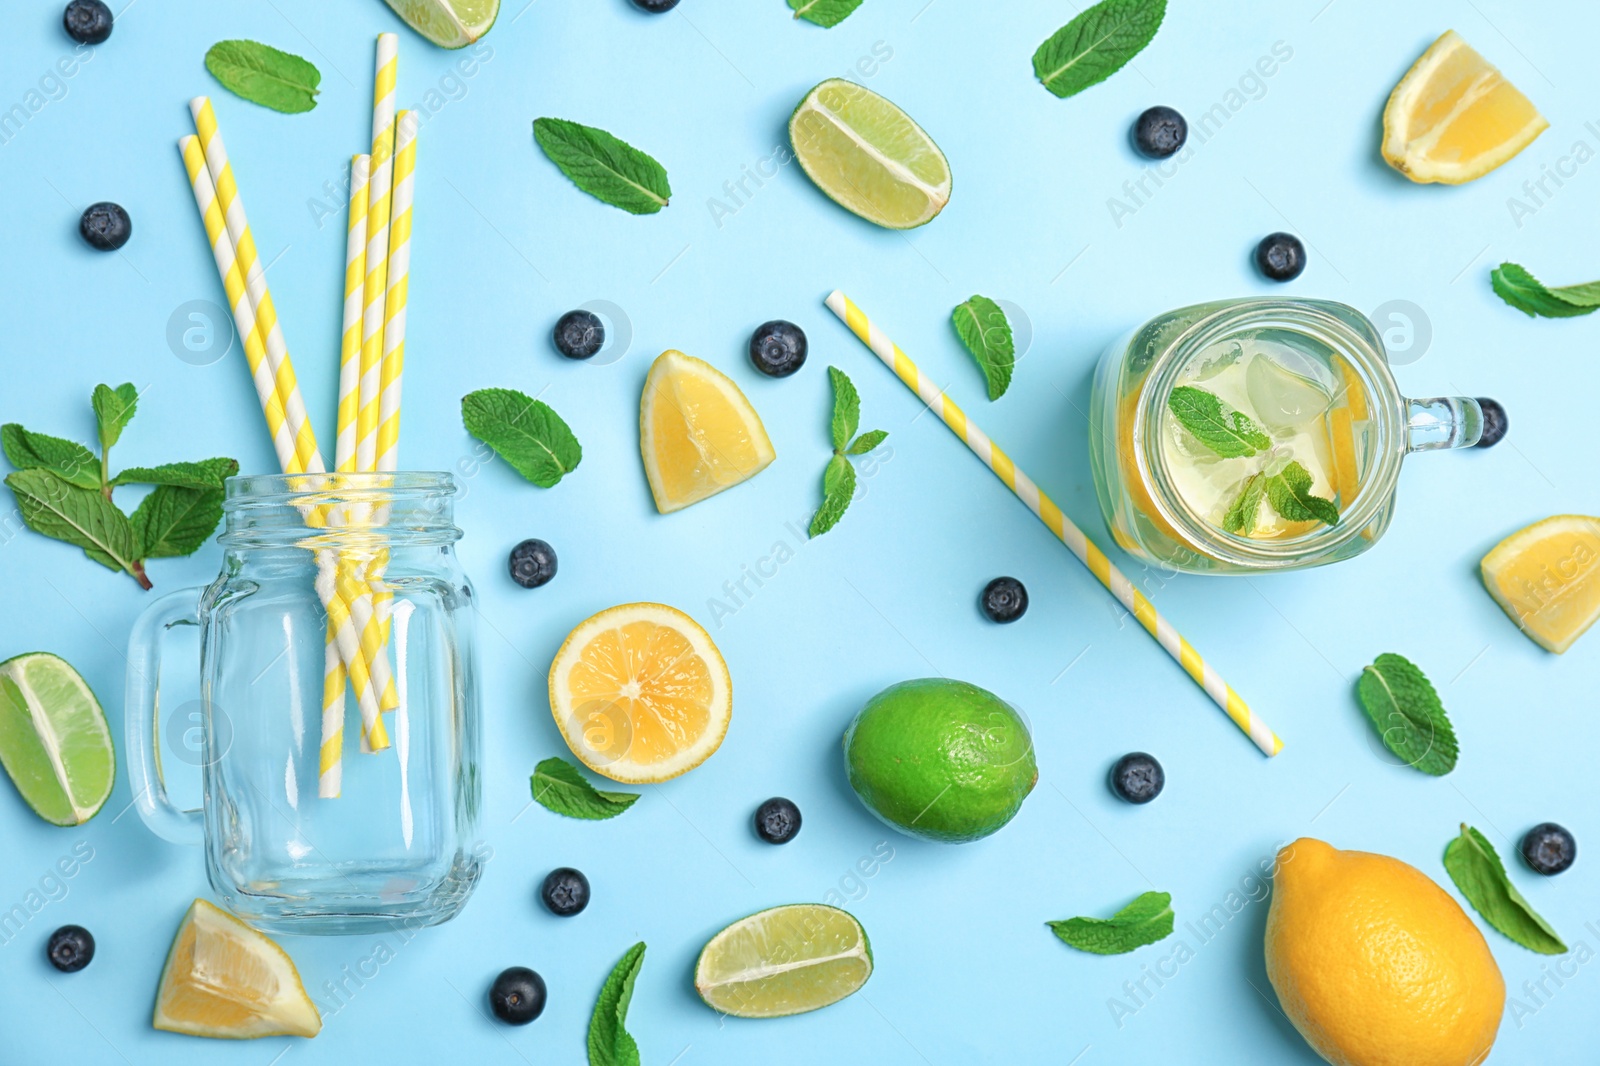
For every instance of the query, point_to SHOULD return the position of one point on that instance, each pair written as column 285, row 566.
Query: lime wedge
column 869, row 156
column 54, row 741
column 786, row 960
column 448, row 23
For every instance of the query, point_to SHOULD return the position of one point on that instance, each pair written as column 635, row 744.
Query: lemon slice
column 641, row 693
column 1547, row 578
column 225, row 979
column 697, row 432
column 1454, row 117
column 869, row 156
column 786, row 960
column 448, row 23
column 54, row 741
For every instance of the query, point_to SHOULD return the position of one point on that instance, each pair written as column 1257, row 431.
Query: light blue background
column 967, row 972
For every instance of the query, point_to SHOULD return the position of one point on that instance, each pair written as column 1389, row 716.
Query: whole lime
column 940, row 759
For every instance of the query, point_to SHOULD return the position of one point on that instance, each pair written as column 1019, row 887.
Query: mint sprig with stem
column 839, row 477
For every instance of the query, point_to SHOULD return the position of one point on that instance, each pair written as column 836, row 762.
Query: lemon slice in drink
column 869, row 156
column 1454, row 117
column 225, row 979
column 448, row 23
column 1547, row 579
column 697, row 432
column 54, row 741
column 787, row 960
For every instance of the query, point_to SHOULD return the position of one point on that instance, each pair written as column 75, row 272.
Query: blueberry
column 1494, row 422
column 517, row 995
column 105, row 226
column 71, row 948
column 579, row 334
column 1281, row 256
column 1159, row 132
column 1548, row 848
column 1137, row 777
column 1004, row 599
column 565, row 891
column 777, row 820
column 533, row 563
column 87, row 21
column 778, row 348
column 655, row 7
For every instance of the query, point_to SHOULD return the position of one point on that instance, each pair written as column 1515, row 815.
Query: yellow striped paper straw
column 394, row 328
column 1057, row 522
column 379, row 195
column 330, row 755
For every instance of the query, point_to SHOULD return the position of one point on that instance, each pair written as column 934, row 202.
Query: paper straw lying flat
column 1057, row 522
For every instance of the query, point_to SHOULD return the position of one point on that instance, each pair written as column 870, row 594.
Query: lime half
column 869, row 156
column 448, row 23
column 786, row 960
column 54, row 741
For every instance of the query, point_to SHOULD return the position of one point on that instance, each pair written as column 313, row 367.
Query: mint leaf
column 1289, row 492
column 113, row 409
column 609, row 1042
column 1097, row 44
column 1144, row 921
column 1231, row 434
column 846, row 408
column 1410, row 719
column 1472, row 864
column 68, row 460
column 559, row 787
column 1523, row 291
column 824, row 13
column 838, row 488
column 524, row 432
column 206, row 474
column 983, row 328
column 867, row 441
column 1242, row 512
column 173, row 521
column 606, row 168
column 77, row 515
column 263, row 75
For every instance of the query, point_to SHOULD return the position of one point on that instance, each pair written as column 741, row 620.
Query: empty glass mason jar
column 304, row 830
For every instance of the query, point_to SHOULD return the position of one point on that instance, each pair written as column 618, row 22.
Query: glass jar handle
column 142, row 703
column 1443, row 422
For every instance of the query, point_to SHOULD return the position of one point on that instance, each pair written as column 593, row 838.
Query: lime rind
column 756, row 967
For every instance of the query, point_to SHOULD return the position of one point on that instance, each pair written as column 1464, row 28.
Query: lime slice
column 869, row 156
column 448, row 23
column 54, row 741
column 224, row 979
column 786, row 960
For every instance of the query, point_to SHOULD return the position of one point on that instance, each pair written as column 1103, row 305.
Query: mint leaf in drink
column 983, row 328
column 846, row 408
column 824, row 13
column 839, row 477
column 559, row 787
column 1241, row 514
column 1097, row 44
column 174, row 521
column 1406, row 710
column 524, row 432
column 867, row 441
column 1231, row 434
column 206, row 474
column 606, row 168
column 79, row 516
column 1523, row 291
column 68, row 460
column 1289, row 492
column 610, row 1044
column 1144, row 921
column 113, row 410
column 1472, row 864
column 263, row 75
column 838, row 488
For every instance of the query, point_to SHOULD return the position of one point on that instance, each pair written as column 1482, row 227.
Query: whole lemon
column 940, row 759
column 1376, row 965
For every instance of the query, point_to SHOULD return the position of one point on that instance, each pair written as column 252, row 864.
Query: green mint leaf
column 610, row 170
column 1231, row 434
column 1241, row 515
column 66, row 459
column 846, row 408
column 1406, row 710
column 559, row 787
column 1289, row 492
column 172, row 521
column 263, row 75
column 1523, row 291
column 824, row 13
column 113, row 409
column 610, row 1044
column 983, row 328
column 524, row 432
column 206, row 474
column 1144, row 921
column 77, row 515
column 1473, row 865
column 1097, row 44
column 838, row 489
column 867, row 441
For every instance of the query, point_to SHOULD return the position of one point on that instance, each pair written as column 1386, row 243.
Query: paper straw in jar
column 330, row 754
column 379, row 198
column 394, row 330
column 355, row 276
column 1057, row 522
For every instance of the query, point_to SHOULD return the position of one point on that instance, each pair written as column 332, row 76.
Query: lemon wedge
column 1547, row 578
column 697, row 432
column 1454, row 117
column 225, row 979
